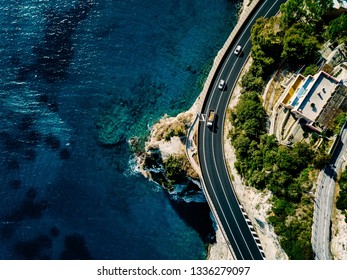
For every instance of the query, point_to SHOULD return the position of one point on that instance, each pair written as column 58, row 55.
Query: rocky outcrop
column 339, row 236
column 165, row 162
column 164, row 159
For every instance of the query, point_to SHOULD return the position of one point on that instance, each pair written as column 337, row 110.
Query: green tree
column 269, row 162
column 310, row 70
column 278, row 183
column 301, row 154
column 282, row 207
column 252, row 82
column 258, row 179
column 250, row 114
column 294, row 192
column 299, row 46
column 284, row 161
column 341, row 202
column 315, row 11
column 241, row 144
column 308, row 12
column 256, row 156
column 252, row 127
column 301, row 250
column 266, row 36
column 291, row 12
column 338, row 122
column 321, row 159
column 268, row 143
column 174, row 166
column 337, row 28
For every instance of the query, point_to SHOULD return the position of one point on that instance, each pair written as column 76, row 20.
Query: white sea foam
column 179, row 193
column 134, row 167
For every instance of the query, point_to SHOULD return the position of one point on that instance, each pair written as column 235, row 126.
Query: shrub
column 310, row 70
column 341, row 202
column 174, row 166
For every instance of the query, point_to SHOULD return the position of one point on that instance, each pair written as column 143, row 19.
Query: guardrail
column 210, row 78
column 190, row 144
column 223, row 52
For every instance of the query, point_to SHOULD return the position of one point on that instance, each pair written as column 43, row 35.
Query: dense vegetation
column 177, row 169
column 293, row 38
column 337, row 29
column 260, row 160
column 338, row 123
column 341, row 202
column 286, row 171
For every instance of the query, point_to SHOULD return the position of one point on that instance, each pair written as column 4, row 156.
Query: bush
column 299, row 46
column 341, row 202
column 175, row 130
column 250, row 82
column 337, row 28
column 249, row 115
column 338, row 122
column 321, row 159
column 174, row 166
column 266, row 45
column 178, row 168
column 310, row 70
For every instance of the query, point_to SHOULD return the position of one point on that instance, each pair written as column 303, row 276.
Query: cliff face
column 164, row 160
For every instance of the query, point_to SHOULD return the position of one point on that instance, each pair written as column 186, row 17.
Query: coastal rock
column 339, row 236
column 164, row 160
column 219, row 250
column 165, row 141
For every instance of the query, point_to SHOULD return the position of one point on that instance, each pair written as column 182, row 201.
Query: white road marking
column 204, row 129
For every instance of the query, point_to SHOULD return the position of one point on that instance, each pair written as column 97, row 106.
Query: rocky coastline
column 165, row 162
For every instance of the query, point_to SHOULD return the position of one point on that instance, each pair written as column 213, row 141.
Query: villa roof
column 340, row 4
column 314, row 93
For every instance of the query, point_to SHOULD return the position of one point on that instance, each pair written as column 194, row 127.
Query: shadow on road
column 214, row 127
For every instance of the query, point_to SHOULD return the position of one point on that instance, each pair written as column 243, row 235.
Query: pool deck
column 314, row 95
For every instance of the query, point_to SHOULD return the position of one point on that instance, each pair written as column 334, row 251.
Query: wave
column 180, row 193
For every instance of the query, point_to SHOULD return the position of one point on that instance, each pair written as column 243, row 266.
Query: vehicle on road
column 237, row 50
column 211, row 117
column 221, row 84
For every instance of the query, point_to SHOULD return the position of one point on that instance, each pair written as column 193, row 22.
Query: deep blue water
column 64, row 65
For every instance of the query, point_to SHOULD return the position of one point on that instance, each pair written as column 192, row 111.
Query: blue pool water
column 64, row 66
column 302, row 91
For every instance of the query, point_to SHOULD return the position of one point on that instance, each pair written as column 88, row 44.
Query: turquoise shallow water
column 65, row 65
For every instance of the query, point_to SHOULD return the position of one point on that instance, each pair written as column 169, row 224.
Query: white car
column 221, row 84
column 237, row 50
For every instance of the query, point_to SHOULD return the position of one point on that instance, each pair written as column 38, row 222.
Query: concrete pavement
column 217, row 184
column 324, row 201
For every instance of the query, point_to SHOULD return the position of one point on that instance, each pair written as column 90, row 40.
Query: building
column 315, row 100
column 340, row 4
column 340, row 7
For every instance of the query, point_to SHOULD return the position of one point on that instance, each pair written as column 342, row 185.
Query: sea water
column 66, row 65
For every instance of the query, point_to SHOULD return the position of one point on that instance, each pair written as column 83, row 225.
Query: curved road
column 324, row 202
column 217, row 183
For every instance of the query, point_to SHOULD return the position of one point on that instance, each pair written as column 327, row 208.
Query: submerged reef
column 123, row 117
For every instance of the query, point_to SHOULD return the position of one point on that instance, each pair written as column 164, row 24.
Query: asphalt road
column 210, row 149
column 324, row 201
